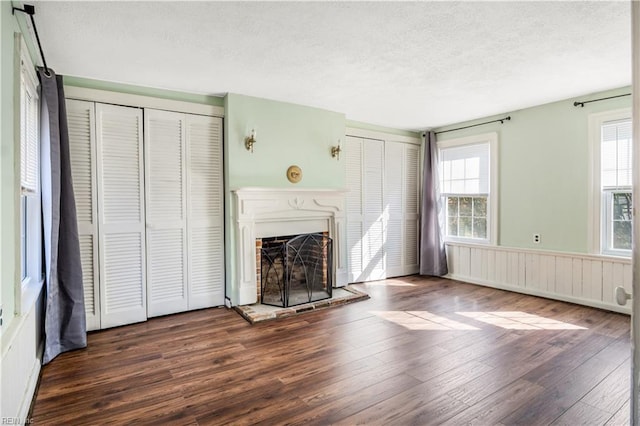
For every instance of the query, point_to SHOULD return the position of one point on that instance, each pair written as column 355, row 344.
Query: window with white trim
column 467, row 169
column 30, row 206
column 615, row 186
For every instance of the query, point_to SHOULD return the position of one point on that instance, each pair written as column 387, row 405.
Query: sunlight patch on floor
column 516, row 320
column 422, row 320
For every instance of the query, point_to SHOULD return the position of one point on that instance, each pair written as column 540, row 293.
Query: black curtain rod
column 501, row 120
column 31, row 10
column 581, row 103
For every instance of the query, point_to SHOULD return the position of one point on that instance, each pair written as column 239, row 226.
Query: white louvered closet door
column 373, row 257
column 205, row 210
column 121, row 215
column 81, row 123
column 383, row 213
column 365, row 208
column 353, row 159
column 394, row 185
column 401, row 200
column 411, row 205
column 166, row 206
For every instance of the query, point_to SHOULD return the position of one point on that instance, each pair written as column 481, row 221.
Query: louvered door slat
column 88, row 272
column 411, row 207
column 411, row 232
column 393, row 184
column 412, row 179
column 121, row 215
column 205, row 219
column 124, row 271
column 353, row 160
column 165, row 197
column 82, row 149
column 373, row 261
column 373, row 184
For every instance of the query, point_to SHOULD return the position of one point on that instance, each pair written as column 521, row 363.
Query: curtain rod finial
column 27, row 8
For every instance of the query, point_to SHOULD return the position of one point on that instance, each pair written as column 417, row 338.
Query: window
column 30, row 207
column 610, row 199
column 467, row 182
column 613, row 166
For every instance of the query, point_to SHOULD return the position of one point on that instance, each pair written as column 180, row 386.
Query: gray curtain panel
column 433, row 257
column 64, row 316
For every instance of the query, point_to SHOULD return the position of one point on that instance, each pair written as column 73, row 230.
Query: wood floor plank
column 510, row 371
column 582, row 414
column 411, row 354
column 411, row 407
column 419, row 402
column 613, row 392
column 570, row 388
column 491, row 409
column 621, row 417
column 563, row 363
column 460, row 357
column 335, row 410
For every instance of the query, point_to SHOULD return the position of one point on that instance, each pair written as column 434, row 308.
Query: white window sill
column 469, row 241
column 616, row 253
column 31, row 289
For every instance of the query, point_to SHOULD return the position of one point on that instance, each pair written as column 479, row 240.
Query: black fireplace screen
column 296, row 269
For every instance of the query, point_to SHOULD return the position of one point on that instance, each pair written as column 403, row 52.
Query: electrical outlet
column 536, row 238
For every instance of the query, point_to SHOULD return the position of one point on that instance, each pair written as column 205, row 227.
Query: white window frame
column 31, row 252
column 598, row 215
column 492, row 197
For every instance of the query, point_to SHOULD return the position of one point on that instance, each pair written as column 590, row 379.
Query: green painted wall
column 143, row 91
column 543, row 171
column 286, row 134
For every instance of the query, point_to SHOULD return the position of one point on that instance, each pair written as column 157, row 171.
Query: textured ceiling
column 408, row 65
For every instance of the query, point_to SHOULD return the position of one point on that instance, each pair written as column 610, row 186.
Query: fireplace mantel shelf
column 258, row 189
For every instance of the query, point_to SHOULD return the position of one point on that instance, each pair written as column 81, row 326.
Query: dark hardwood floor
column 420, row 351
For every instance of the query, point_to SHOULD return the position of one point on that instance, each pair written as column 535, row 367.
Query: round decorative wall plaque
column 294, row 174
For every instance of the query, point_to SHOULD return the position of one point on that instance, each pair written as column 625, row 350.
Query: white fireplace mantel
column 265, row 212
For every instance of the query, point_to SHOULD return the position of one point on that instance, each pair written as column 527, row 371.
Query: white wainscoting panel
column 584, row 279
column 20, row 360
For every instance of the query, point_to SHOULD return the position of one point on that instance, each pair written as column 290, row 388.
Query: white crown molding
column 378, row 135
column 141, row 101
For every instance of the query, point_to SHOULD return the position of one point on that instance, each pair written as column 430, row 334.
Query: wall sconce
column 335, row 151
column 250, row 140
